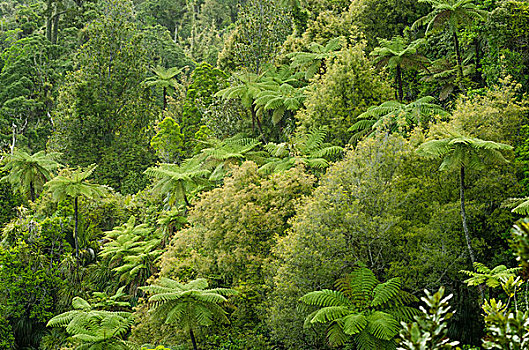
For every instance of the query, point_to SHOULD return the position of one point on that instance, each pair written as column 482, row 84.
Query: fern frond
column 385, row 291
column 382, row 325
column 325, row 298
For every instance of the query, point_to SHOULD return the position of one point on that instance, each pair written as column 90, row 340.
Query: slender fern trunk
column 32, row 195
column 464, row 215
column 55, row 31
column 164, row 99
column 49, row 13
column 75, row 231
column 399, row 83
column 459, row 60
column 192, row 335
column 465, row 226
column 255, row 119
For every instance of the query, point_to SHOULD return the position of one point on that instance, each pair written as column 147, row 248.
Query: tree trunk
column 75, row 231
column 478, row 75
column 32, row 191
column 259, row 126
column 252, row 110
column 459, row 60
column 49, row 13
column 55, row 26
column 465, row 227
column 186, row 202
column 464, row 215
column 164, row 99
column 399, row 83
column 192, row 335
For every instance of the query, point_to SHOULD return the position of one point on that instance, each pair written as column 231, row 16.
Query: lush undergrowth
column 262, row 174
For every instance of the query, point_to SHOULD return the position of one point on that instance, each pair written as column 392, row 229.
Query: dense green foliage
column 264, row 174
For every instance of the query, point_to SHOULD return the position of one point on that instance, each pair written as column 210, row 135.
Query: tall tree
column 399, row 55
column 262, row 27
column 107, row 123
column 74, row 185
column 454, row 14
column 461, row 153
column 28, row 173
column 188, row 305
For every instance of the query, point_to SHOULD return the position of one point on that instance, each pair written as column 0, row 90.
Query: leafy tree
column 29, row 286
column 399, row 55
column 460, row 152
column 507, row 33
column 93, row 329
column 174, row 181
column 188, row 305
column 451, row 13
column 393, row 115
column 108, row 123
column 363, row 309
column 429, row 330
column 28, row 173
column 314, row 61
column 229, row 238
column 348, row 88
column 397, row 15
column 6, row 335
column 262, row 26
column 166, row 79
column 168, row 141
column 206, row 81
column 74, row 185
column 216, row 229
column 380, row 205
column 29, row 70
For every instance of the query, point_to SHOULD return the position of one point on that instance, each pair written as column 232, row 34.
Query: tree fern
column 362, row 310
column 91, row 328
column 231, row 151
column 493, row 278
column 315, row 60
column 132, row 251
column 393, row 116
column 75, row 184
column 399, row 55
column 309, row 149
column 175, row 181
column 188, row 305
column 28, row 173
